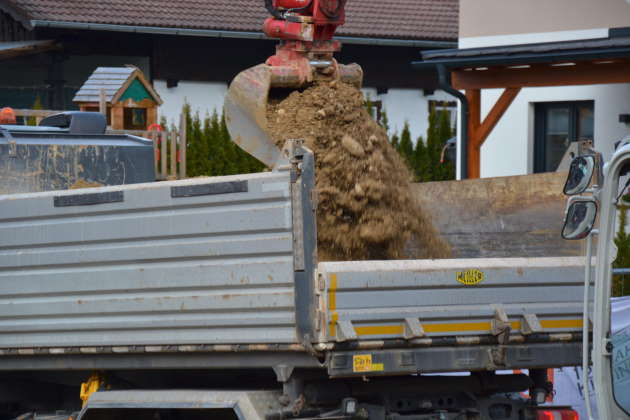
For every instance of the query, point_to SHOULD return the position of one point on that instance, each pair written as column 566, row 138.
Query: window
column 557, row 125
column 135, row 118
column 449, row 106
column 376, row 110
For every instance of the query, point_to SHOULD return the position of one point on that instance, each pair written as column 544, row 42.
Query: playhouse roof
column 116, row 81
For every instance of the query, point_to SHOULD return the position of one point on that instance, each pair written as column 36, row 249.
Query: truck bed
column 222, row 265
column 203, row 261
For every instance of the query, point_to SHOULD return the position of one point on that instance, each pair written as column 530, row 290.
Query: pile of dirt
column 366, row 209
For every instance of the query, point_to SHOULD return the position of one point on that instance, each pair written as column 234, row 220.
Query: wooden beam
column 474, row 121
column 495, row 114
column 543, row 75
column 35, row 48
column 479, row 131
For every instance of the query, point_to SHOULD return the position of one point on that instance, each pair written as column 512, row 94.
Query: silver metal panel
column 379, row 299
column 247, row 405
column 152, row 269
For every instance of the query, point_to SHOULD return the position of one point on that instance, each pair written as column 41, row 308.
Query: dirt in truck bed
column 366, row 209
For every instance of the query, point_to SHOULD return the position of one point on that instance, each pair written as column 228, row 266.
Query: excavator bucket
column 246, row 106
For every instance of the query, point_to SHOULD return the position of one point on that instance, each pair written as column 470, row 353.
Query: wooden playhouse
column 130, row 100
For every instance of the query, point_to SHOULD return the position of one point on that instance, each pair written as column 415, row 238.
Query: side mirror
column 580, row 220
column 580, row 175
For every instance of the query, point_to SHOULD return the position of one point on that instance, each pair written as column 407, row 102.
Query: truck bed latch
column 501, row 326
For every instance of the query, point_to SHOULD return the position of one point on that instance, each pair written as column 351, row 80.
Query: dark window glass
column 135, row 119
column 558, row 124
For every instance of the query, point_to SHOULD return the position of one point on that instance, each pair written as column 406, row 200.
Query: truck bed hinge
column 413, row 329
column 531, row 325
column 345, row 331
column 501, row 326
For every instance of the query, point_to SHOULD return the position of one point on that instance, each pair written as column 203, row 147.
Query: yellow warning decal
column 363, row 363
column 470, row 277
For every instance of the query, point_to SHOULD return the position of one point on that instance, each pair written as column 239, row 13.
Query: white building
column 559, row 46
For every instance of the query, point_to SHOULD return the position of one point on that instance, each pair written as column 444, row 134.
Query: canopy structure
column 598, row 61
column 16, row 49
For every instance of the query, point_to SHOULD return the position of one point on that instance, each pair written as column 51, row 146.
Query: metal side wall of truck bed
column 202, row 261
column 466, row 297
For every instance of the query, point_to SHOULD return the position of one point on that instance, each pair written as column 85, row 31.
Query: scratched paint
column 51, row 167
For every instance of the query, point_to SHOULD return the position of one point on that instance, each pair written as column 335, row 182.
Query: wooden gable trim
column 137, row 74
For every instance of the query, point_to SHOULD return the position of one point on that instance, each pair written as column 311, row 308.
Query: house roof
column 396, row 19
column 115, row 81
column 593, row 49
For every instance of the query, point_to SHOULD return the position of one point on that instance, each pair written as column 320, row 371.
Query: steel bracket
column 413, row 329
column 531, row 325
column 501, row 326
column 283, row 372
column 345, row 331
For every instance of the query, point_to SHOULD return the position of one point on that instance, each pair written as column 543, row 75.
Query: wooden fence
column 169, row 146
column 170, row 150
column 38, row 114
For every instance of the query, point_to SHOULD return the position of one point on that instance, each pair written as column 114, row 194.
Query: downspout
column 444, row 83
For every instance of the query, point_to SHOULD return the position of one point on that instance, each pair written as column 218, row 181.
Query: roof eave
column 16, row 13
column 212, row 33
column 553, row 52
column 523, row 59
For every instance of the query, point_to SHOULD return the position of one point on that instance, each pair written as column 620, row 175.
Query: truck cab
column 598, row 193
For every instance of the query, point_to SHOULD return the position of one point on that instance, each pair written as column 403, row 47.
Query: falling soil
column 366, row 209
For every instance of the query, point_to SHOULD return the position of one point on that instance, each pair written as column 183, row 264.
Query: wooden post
column 118, row 117
column 152, row 136
column 479, row 131
column 173, row 174
column 474, row 121
column 182, row 146
column 102, row 104
column 152, row 116
column 163, row 149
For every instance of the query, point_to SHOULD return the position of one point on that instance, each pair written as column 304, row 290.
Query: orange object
column 7, row 116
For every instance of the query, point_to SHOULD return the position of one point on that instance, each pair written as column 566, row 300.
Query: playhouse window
column 135, row 119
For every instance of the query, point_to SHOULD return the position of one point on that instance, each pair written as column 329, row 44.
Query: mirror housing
column 580, row 175
column 580, row 219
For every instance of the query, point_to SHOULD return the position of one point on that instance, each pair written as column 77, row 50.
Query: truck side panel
column 451, row 298
column 203, row 261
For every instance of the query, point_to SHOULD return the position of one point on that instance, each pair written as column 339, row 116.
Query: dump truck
column 204, row 298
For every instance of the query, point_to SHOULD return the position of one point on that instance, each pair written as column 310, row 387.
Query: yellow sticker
column 470, row 277
column 363, row 363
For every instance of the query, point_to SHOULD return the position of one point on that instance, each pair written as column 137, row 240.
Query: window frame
column 541, row 124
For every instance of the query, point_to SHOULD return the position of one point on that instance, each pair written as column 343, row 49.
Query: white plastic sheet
column 568, row 381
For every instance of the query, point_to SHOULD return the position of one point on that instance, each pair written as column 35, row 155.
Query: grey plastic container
column 36, row 159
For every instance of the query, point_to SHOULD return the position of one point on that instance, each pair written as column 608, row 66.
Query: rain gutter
column 444, row 83
column 211, row 33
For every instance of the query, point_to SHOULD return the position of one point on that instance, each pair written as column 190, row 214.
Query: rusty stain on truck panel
column 52, row 167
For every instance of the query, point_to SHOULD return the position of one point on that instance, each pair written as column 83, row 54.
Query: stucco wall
column 501, row 17
column 509, row 150
column 401, row 105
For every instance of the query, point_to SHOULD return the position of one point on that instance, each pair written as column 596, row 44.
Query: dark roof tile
column 402, row 19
